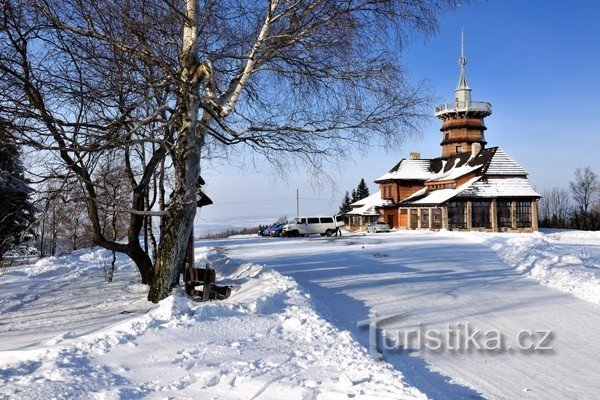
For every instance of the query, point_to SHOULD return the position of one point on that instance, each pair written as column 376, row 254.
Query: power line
column 269, row 200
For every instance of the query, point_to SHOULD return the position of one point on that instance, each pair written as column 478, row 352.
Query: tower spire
column 462, row 91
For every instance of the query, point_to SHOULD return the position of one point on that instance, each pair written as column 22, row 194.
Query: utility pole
column 297, row 203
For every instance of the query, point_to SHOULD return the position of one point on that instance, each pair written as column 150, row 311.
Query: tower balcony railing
column 463, row 106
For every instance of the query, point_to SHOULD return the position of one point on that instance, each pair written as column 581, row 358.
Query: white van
column 322, row 225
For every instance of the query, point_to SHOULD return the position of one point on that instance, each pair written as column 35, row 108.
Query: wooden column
column 494, row 215
column 534, row 215
column 444, row 217
column 419, row 218
column 431, row 219
column 513, row 215
column 469, row 215
column 409, row 221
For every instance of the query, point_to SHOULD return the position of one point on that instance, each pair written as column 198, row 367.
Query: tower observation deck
column 462, row 119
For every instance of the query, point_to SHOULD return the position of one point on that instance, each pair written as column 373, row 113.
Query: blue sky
column 537, row 62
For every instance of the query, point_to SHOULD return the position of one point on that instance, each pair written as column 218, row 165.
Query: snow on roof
column 439, row 196
column 455, row 173
column 502, row 164
column 501, row 187
column 492, row 161
column 367, row 205
column 409, row 169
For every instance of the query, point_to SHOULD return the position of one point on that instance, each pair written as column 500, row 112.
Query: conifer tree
column 16, row 211
column 345, row 206
column 362, row 190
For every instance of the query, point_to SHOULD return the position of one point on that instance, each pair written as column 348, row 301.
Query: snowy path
column 441, row 279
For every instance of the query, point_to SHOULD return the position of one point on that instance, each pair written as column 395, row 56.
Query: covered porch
column 492, row 215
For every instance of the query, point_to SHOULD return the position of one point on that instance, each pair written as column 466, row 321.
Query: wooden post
column 409, row 218
column 494, row 215
column 206, row 285
column 444, row 217
column 430, row 219
column 513, row 215
column 469, row 215
column 534, row 215
column 419, row 214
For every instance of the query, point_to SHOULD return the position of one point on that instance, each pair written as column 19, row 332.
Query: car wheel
column 328, row 232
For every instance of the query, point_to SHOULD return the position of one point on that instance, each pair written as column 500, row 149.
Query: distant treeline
column 575, row 207
column 232, row 232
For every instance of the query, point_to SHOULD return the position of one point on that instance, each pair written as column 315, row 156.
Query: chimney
column 475, row 149
column 414, row 156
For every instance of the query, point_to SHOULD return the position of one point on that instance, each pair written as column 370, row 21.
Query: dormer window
column 459, row 149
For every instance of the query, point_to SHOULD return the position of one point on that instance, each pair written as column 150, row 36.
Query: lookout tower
column 462, row 119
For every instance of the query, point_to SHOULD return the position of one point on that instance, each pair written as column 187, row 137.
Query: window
column 327, row 220
column 459, row 149
column 503, row 208
column 456, row 215
column 313, row 220
column 424, row 218
column 369, row 219
column 355, row 220
column 388, row 191
column 523, row 214
column 414, row 218
column 436, row 218
column 302, row 221
column 480, row 213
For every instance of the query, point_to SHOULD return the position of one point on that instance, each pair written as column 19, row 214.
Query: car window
column 313, row 220
column 302, row 221
column 327, row 220
column 339, row 218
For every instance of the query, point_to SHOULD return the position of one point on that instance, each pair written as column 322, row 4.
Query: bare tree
column 555, row 207
column 584, row 188
column 182, row 79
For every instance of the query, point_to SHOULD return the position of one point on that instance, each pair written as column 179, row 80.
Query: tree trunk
column 181, row 211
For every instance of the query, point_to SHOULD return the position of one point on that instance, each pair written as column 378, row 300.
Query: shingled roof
column 490, row 161
column 496, row 175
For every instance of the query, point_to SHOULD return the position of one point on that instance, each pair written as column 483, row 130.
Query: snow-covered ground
column 289, row 330
column 66, row 334
column 565, row 260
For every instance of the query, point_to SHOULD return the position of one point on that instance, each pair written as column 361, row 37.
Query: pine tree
column 362, row 190
column 345, row 206
column 16, row 211
column 353, row 197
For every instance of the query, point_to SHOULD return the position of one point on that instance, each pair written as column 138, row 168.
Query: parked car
column 375, row 227
column 276, row 230
column 267, row 231
column 322, row 225
column 264, row 231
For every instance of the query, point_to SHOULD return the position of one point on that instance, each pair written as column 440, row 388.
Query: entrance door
column 390, row 221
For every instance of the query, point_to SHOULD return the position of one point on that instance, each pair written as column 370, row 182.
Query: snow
column 499, row 187
column 409, row 169
column 438, row 196
column 455, row 173
column 266, row 340
column 503, row 164
column 367, row 206
column 568, row 261
column 289, row 330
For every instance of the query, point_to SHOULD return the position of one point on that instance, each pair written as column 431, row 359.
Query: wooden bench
column 206, row 278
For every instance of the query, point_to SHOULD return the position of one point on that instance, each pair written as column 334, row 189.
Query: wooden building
column 469, row 187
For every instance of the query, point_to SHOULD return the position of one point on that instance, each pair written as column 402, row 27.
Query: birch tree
column 286, row 80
